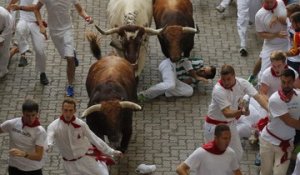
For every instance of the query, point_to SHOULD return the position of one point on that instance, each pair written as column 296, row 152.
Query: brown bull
column 176, row 16
column 111, row 87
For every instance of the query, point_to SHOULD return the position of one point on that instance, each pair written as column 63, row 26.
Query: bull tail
column 94, row 40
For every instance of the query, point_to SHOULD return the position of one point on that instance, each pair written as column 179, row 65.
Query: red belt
column 213, row 121
column 72, row 160
column 284, row 144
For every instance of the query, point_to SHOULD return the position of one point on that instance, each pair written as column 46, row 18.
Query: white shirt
column 262, row 24
column 74, row 142
column 206, row 163
column 59, row 13
column 27, row 16
column 273, row 82
column 277, row 108
column 6, row 23
column 222, row 98
column 24, row 139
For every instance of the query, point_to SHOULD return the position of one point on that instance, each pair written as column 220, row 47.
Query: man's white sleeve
column 95, row 140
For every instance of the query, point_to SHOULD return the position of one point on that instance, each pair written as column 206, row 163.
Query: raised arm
column 83, row 13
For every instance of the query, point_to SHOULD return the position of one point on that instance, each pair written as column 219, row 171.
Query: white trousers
column 243, row 20
column 170, row 85
column 25, row 30
column 4, row 53
column 63, row 42
column 297, row 167
column 235, row 142
column 85, row 166
column 270, row 158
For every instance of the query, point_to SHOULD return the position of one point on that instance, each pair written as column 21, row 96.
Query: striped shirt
column 182, row 74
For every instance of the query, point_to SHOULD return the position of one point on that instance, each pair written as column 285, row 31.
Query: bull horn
column 190, row 29
column 153, row 31
column 108, row 32
column 90, row 110
column 130, row 105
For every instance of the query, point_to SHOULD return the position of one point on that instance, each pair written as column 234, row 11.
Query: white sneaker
column 145, row 169
column 3, row 73
column 220, row 9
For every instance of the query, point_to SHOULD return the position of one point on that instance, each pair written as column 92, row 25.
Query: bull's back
column 111, row 68
column 163, row 9
column 117, row 9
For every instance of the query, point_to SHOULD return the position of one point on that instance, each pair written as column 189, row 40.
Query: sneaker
column 43, row 79
column 243, row 52
column 3, row 74
column 76, row 59
column 145, row 169
column 220, row 9
column 257, row 161
column 23, row 61
column 70, row 91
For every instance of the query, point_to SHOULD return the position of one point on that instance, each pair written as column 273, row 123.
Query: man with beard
column 207, row 72
column 276, row 140
column 270, row 80
column 216, row 153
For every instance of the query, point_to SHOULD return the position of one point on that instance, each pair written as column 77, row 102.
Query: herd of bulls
column 112, row 81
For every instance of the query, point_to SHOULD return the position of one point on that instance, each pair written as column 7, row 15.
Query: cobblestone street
column 167, row 130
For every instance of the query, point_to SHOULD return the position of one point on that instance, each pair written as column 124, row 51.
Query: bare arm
column 288, row 120
column 183, row 169
column 263, row 90
column 36, row 155
column 237, row 172
column 83, row 13
column 10, row 3
column 268, row 35
column 262, row 101
column 230, row 113
column 39, row 19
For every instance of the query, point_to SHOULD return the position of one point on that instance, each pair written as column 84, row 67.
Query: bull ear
column 190, row 29
column 90, row 110
column 108, row 32
column 130, row 105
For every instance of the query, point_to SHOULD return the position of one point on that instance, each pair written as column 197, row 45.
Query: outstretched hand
column 44, row 32
column 117, row 153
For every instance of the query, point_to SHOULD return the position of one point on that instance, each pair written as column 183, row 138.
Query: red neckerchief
column 230, row 88
column 274, row 73
column 286, row 97
column 212, row 148
column 35, row 123
column 70, row 122
column 272, row 8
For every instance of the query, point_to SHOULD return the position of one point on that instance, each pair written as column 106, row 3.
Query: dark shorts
column 16, row 171
column 294, row 65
